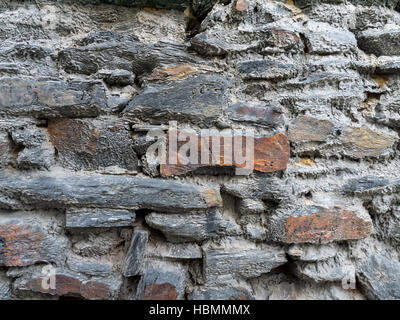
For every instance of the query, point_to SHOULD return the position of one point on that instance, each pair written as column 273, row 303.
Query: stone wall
column 82, row 204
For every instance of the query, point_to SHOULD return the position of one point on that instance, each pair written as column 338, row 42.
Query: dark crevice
column 141, row 221
column 397, row 8
column 303, row 39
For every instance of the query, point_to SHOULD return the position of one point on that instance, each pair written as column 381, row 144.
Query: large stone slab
column 106, row 50
column 89, row 266
column 313, row 252
column 322, row 38
column 221, row 42
column 267, row 70
column 226, row 291
column 48, row 98
column 363, row 142
column 247, row 26
column 102, row 191
column 370, row 184
column 381, row 42
column 173, row 251
column 195, row 227
column 336, row 269
column 200, row 99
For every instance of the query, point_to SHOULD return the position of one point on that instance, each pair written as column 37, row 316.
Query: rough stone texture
column 98, row 218
column 51, row 98
column 312, row 253
column 27, row 240
column 163, row 281
column 198, row 99
column 266, row 70
column 89, row 90
column 196, row 227
column 250, row 261
column 136, row 253
column 331, row 270
column 89, row 145
column 173, row 251
column 256, row 113
column 379, row 277
column 381, row 42
column 321, row 38
column 321, row 225
column 5, row 287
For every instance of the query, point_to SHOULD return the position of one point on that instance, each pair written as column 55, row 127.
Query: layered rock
column 303, row 204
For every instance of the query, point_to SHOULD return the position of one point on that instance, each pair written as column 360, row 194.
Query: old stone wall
column 84, row 211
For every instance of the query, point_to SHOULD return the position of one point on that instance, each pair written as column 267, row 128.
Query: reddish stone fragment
column 163, row 291
column 242, row 5
column 325, row 225
column 270, row 154
column 66, row 285
column 73, row 135
column 92, row 144
column 94, row 290
column 20, row 245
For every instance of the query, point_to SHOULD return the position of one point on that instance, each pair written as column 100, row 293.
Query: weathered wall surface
column 81, row 82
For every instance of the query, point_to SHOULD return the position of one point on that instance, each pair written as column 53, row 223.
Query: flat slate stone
column 98, row 218
column 135, row 258
column 103, row 191
column 45, row 98
column 256, row 113
column 200, row 99
column 242, row 258
column 196, row 227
